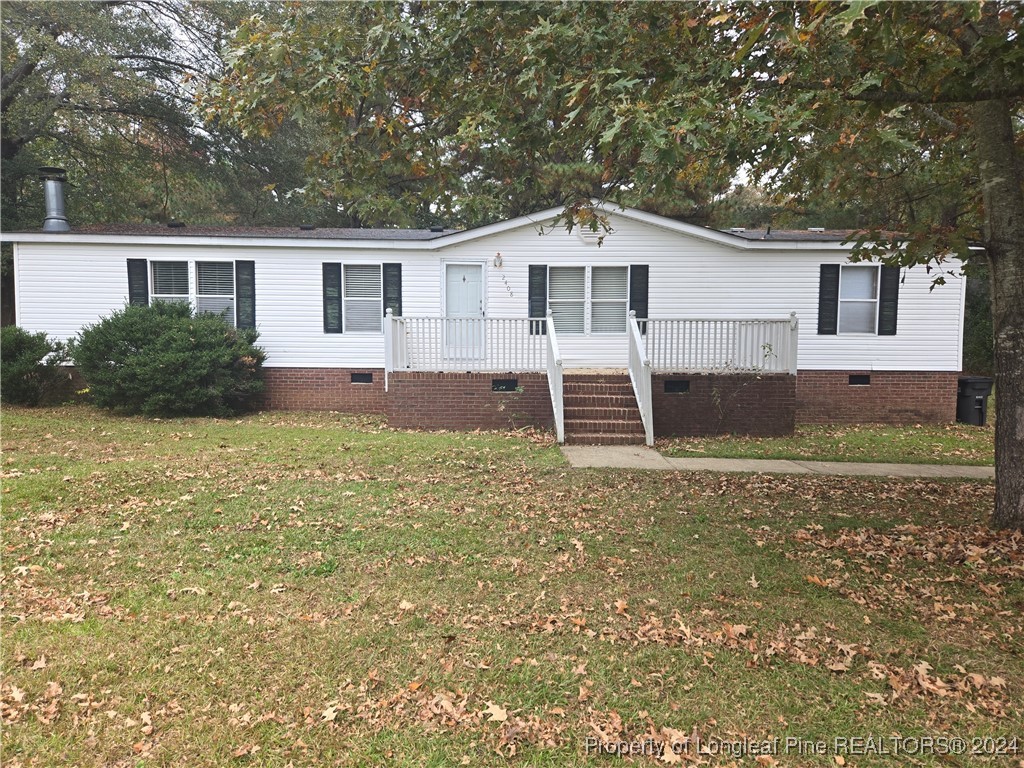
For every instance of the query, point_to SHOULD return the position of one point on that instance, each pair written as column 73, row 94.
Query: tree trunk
column 1003, row 195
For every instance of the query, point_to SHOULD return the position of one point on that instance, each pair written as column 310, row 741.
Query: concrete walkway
column 642, row 457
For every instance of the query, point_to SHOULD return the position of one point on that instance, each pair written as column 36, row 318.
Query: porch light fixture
column 498, row 261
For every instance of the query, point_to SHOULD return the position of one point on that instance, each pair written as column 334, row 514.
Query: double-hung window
column 356, row 296
column 567, row 298
column 589, row 299
column 858, row 298
column 224, row 288
column 170, row 281
column 609, row 293
column 364, row 298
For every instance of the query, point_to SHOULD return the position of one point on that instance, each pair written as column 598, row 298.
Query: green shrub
column 163, row 360
column 29, row 370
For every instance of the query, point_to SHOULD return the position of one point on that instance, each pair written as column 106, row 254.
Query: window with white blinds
column 609, row 294
column 364, row 298
column 594, row 300
column 170, row 280
column 216, row 288
column 567, row 298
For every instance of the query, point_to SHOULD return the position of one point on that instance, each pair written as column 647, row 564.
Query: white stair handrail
column 640, row 377
column 554, row 369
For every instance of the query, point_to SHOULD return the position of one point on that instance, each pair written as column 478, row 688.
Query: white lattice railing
column 722, row 346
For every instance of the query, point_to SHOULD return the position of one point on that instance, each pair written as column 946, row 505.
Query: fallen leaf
column 498, row 715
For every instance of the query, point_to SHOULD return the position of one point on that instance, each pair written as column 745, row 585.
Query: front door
column 464, row 311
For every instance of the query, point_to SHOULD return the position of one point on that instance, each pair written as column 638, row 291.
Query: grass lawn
column 296, row 589
column 912, row 444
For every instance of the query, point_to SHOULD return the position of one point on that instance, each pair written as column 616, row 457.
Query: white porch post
column 389, row 344
column 794, row 341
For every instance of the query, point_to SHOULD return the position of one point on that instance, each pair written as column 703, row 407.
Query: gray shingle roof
column 320, row 233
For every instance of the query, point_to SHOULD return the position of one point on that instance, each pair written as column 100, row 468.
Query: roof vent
column 307, row 227
column 437, row 229
column 737, row 229
column 175, row 224
column 815, row 229
column 53, row 191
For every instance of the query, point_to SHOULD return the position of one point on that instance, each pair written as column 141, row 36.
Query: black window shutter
column 138, row 282
column 245, row 294
column 828, row 300
column 538, row 298
column 332, row 298
column 393, row 289
column 639, row 277
column 888, row 298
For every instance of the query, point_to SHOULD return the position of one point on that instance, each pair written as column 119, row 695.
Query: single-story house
column 655, row 327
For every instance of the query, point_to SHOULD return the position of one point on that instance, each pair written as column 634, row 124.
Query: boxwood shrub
column 165, row 360
column 29, row 367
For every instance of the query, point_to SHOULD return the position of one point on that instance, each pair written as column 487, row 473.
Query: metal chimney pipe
column 53, row 189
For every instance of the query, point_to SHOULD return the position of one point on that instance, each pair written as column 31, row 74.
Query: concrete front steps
column 600, row 409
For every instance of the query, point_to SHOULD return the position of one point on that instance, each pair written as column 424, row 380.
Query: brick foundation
column 721, row 404
column 893, row 397
column 418, row 400
column 322, row 389
column 751, row 405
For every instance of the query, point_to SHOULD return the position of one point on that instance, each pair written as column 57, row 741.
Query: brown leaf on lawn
column 405, row 605
column 620, row 607
column 39, row 663
column 497, row 714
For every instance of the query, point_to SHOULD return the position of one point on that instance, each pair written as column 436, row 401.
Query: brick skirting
column 715, row 404
column 322, row 389
column 419, row 400
column 893, row 397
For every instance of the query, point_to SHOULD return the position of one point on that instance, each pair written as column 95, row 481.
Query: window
column 170, row 281
column 593, row 300
column 216, row 288
column 858, row 299
column 567, row 298
column 356, row 296
column 225, row 288
column 364, row 298
column 608, row 299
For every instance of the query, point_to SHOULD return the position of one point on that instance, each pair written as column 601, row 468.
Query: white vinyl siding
column 363, row 300
column 216, row 289
column 858, row 299
column 61, row 286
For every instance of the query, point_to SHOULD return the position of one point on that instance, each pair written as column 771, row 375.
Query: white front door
column 464, row 311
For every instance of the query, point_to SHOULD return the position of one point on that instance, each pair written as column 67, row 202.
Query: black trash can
column 972, row 399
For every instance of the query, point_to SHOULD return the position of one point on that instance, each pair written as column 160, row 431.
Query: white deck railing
column 722, row 346
column 554, row 369
column 640, row 377
column 494, row 344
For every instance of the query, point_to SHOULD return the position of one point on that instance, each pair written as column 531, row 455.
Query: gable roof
column 418, row 239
